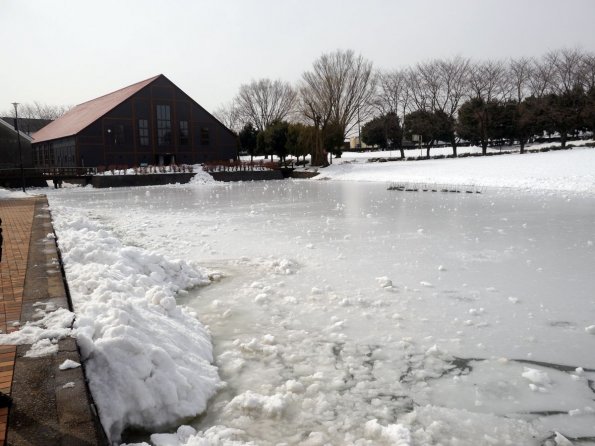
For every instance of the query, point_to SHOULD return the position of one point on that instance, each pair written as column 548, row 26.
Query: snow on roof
column 88, row 112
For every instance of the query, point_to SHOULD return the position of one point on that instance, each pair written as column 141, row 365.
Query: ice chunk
column 561, row 440
column 536, row 376
column 384, row 282
column 69, row 364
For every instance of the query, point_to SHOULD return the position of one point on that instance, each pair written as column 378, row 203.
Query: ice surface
column 315, row 345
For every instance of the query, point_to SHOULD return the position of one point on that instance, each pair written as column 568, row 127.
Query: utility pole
column 16, row 126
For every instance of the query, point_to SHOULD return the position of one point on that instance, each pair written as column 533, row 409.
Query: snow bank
column 148, row 360
column 567, row 170
column 6, row 194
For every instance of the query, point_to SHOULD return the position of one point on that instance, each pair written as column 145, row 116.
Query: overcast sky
column 70, row 51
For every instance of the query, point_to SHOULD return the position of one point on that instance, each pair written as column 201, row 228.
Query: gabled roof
column 6, row 125
column 86, row 113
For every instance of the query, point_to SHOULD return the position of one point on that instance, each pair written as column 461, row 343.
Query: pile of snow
column 201, row 176
column 568, row 170
column 147, row 359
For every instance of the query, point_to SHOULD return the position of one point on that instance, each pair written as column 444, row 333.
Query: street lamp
column 16, row 126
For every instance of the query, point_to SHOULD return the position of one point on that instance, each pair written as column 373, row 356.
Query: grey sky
column 70, row 51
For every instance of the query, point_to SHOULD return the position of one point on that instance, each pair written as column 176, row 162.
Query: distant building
column 354, row 144
column 10, row 157
column 28, row 125
column 150, row 122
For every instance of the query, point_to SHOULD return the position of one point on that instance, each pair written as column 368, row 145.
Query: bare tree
column 520, row 76
column 541, row 78
column 488, row 81
column 566, row 71
column 440, row 86
column 567, row 100
column 588, row 72
column 264, row 101
column 422, row 84
column 392, row 95
column 229, row 115
column 338, row 92
column 520, row 72
column 38, row 110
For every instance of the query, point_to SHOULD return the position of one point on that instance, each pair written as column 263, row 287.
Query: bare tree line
column 343, row 90
column 38, row 110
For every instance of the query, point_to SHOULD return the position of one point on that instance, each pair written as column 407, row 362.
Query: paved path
column 44, row 412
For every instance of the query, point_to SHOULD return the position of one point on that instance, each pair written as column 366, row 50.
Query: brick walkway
column 17, row 221
column 44, row 411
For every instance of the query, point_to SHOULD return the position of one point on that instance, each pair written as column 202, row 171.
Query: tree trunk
column 563, row 137
column 484, row 146
column 318, row 156
column 522, row 143
column 428, row 151
column 402, row 152
column 318, row 159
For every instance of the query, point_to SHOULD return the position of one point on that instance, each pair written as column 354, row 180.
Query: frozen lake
column 448, row 318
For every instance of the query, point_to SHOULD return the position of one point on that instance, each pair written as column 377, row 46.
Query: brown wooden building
column 150, row 122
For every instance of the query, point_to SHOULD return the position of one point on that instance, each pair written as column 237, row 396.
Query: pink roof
column 86, row 113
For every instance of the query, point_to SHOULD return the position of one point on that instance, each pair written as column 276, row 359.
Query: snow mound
column 201, row 176
column 148, row 360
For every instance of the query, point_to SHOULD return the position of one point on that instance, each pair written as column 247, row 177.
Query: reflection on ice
column 345, row 311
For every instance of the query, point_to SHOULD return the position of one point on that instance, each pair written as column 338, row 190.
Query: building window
column 204, row 136
column 183, row 133
column 143, row 132
column 163, row 125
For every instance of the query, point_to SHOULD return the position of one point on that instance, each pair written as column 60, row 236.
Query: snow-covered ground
column 445, row 151
column 340, row 312
column 568, row 170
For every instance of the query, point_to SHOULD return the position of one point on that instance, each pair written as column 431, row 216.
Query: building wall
column 134, row 133
column 9, row 150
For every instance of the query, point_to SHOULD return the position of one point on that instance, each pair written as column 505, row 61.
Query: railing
column 123, row 169
column 245, row 166
column 48, row 172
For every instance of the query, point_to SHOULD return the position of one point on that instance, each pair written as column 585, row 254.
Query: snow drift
column 148, row 360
